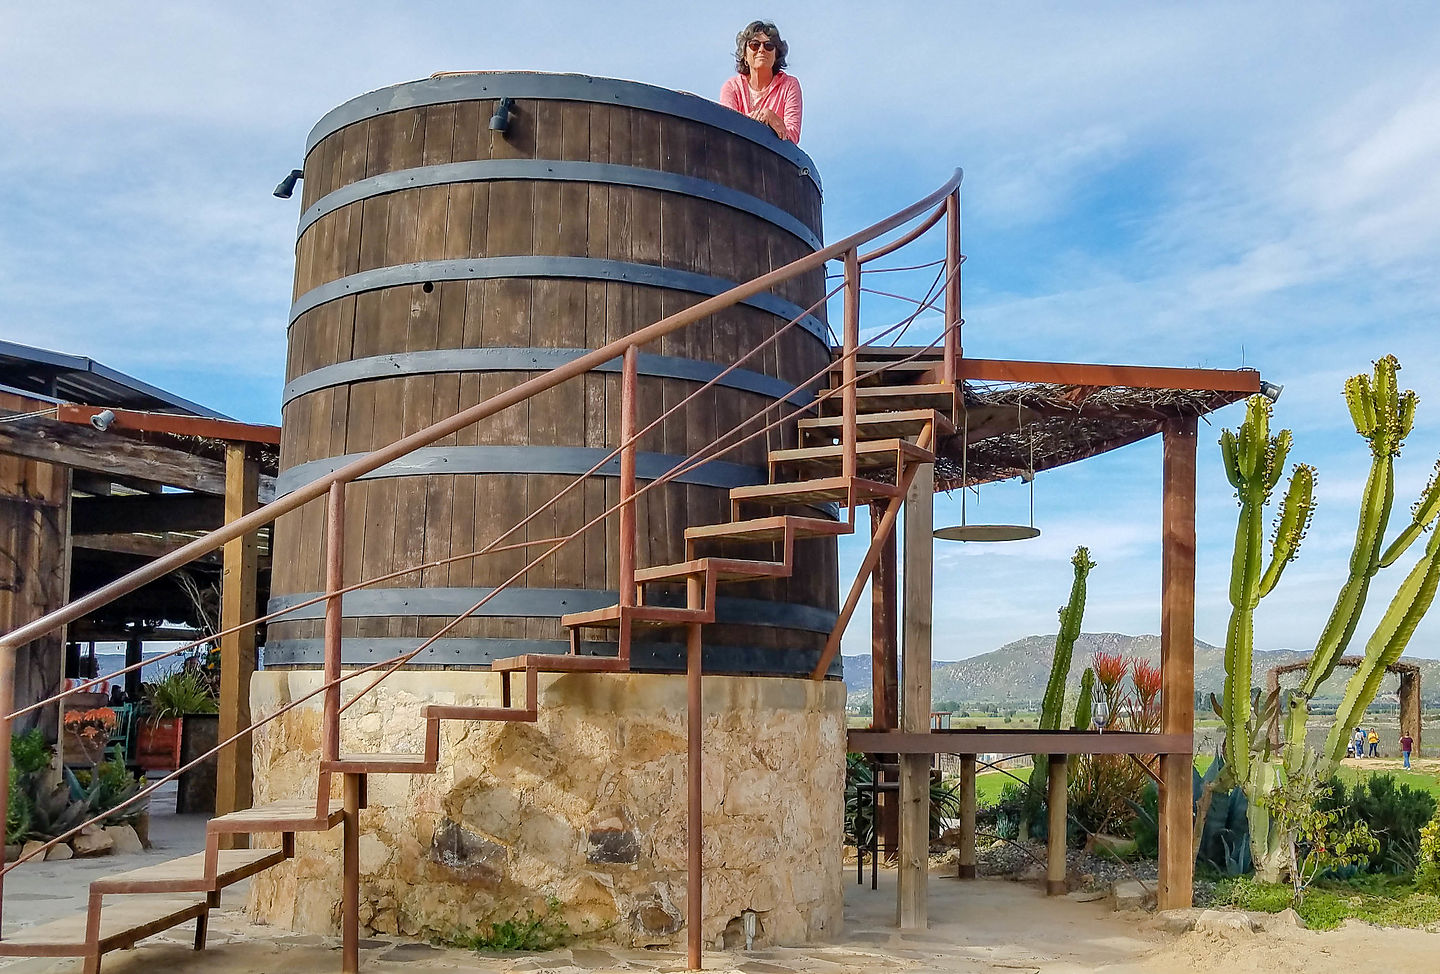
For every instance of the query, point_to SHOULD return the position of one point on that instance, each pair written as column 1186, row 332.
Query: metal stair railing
column 333, row 484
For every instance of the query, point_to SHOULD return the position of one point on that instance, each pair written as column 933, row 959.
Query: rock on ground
column 124, row 840
column 1133, row 895
column 1225, row 923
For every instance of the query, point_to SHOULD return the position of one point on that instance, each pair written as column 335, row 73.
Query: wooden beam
column 1058, row 812
column 1131, row 376
column 1177, row 663
column 83, row 448
column 982, row 740
column 967, row 816
column 237, row 649
column 139, row 545
column 912, row 907
column 202, row 426
column 147, row 513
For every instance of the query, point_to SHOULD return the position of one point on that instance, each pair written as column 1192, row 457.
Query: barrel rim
column 545, row 86
column 561, row 170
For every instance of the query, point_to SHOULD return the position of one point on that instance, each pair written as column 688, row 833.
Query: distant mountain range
column 1015, row 674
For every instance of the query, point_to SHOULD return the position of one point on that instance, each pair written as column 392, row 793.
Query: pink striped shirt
column 782, row 98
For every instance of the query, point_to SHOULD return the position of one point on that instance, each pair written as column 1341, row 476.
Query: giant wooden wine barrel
column 440, row 262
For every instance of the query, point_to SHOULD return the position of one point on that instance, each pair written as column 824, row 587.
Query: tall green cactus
column 1384, row 416
column 1254, row 463
column 1085, row 703
column 1409, row 605
column 1072, row 613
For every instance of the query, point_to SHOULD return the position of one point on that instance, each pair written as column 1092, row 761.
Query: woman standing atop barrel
column 760, row 88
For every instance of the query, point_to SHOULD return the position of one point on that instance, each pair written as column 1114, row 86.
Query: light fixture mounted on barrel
column 965, row 531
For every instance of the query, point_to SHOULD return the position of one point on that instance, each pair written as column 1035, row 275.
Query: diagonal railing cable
column 701, row 456
column 333, row 482
column 493, row 547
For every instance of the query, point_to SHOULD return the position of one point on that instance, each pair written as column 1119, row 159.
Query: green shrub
column 180, row 692
column 30, row 752
column 1427, row 870
column 1394, row 813
column 1146, row 826
column 859, row 822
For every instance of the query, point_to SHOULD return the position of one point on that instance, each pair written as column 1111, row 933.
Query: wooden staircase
column 897, row 409
column 870, row 432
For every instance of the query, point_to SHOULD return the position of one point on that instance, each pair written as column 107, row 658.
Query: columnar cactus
column 1254, row 464
column 1072, row 613
column 1412, row 600
column 1384, row 416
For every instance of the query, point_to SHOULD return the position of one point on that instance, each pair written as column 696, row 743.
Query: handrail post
column 334, row 581
column 629, row 386
column 952, row 285
column 851, row 342
column 7, row 704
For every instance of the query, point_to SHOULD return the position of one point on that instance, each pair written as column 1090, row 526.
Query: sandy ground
column 977, row 926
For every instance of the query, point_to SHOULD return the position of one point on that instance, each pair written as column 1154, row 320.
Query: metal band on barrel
column 663, row 657
column 434, row 361
column 489, row 85
column 582, row 268
column 491, row 170
column 568, row 460
column 545, row 603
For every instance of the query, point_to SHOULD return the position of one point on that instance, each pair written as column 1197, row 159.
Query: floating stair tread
column 290, row 815
column 899, row 351
column 188, row 873
column 770, row 528
column 122, row 922
column 400, row 762
column 869, row 454
column 881, row 425
column 558, row 663
column 930, row 395
column 724, row 569
column 814, row 491
column 640, row 616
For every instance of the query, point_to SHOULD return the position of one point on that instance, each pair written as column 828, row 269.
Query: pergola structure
column 1409, row 694
column 84, row 501
column 1063, row 412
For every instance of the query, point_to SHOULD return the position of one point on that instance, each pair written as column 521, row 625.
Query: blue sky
column 1177, row 184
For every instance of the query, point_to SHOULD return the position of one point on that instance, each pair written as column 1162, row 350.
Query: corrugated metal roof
column 75, row 378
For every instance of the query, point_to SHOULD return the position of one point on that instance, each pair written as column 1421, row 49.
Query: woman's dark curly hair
column 770, row 31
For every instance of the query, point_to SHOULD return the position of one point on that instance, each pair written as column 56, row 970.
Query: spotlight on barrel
column 287, row 185
column 500, row 121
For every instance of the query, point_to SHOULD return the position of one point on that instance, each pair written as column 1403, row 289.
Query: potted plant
column 158, row 737
column 86, row 734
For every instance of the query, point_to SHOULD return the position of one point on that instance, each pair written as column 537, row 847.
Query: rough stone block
column 92, row 843
column 123, row 840
column 469, row 856
column 1133, row 895
column 1225, row 923
column 59, row 853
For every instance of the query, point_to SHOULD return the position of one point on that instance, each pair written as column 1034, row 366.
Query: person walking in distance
column 1406, row 744
column 1374, row 740
column 1359, row 742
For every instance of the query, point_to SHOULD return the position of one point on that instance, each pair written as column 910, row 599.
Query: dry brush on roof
column 1014, row 428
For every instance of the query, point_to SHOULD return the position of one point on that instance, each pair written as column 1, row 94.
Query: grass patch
column 533, row 931
column 1419, row 780
column 1386, row 901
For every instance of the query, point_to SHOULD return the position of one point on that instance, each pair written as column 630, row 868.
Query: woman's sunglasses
column 768, row 45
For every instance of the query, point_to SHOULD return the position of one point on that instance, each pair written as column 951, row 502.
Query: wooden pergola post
column 912, row 906
column 967, row 817
column 237, row 649
column 1177, row 663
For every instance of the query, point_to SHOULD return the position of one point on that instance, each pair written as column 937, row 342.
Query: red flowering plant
column 91, row 725
column 1104, row 788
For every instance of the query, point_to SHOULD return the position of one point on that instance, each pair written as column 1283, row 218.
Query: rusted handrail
column 482, row 410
